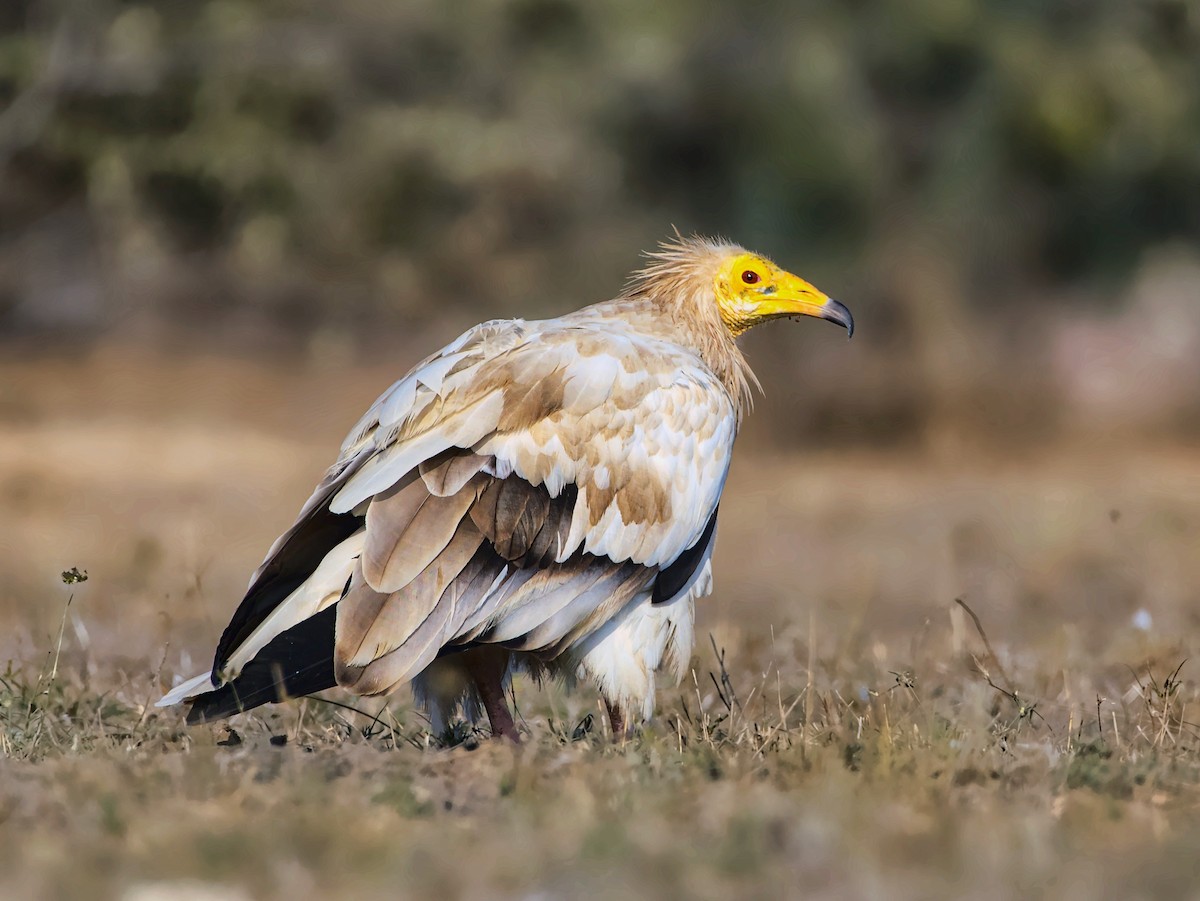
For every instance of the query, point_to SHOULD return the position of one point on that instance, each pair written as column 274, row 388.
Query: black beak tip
column 836, row 311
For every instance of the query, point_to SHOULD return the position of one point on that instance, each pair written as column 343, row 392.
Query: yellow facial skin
column 751, row 289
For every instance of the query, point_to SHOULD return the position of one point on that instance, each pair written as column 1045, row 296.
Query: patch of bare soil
column 861, row 736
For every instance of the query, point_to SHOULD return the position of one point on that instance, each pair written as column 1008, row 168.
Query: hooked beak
column 836, row 311
column 791, row 295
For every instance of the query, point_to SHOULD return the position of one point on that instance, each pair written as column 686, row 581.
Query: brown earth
column 852, row 749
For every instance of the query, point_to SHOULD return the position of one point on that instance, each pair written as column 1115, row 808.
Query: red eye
column 750, row 277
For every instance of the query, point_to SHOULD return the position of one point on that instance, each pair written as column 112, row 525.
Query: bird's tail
column 295, row 663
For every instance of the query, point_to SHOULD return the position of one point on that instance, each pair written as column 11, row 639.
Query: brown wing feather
column 523, row 523
column 448, row 472
column 408, row 529
column 383, row 639
column 511, row 512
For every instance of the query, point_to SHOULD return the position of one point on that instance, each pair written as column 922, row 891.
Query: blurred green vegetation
column 223, row 168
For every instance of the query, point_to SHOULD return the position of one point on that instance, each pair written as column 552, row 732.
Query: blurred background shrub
column 1007, row 193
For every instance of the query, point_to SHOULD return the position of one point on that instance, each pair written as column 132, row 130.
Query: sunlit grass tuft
column 756, row 777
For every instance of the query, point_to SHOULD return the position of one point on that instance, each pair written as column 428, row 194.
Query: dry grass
column 849, row 732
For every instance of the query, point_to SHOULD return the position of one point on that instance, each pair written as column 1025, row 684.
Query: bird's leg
column 487, row 667
column 616, row 720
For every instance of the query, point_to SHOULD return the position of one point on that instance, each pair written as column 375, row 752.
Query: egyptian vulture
column 536, row 496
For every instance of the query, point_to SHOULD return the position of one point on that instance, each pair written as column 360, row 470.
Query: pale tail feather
column 186, row 690
column 315, row 593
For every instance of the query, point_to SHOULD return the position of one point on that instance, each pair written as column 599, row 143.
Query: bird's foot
column 487, row 671
column 616, row 721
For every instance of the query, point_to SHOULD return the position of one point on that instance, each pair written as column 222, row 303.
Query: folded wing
column 518, row 488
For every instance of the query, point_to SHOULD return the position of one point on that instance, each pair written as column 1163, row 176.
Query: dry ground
column 848, row 746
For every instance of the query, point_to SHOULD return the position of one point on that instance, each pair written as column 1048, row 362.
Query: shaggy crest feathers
column 678, row 282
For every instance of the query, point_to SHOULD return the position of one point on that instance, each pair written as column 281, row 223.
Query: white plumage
column 537, row 495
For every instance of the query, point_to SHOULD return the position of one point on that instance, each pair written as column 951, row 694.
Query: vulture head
column 729, row 288
column 750, row 289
